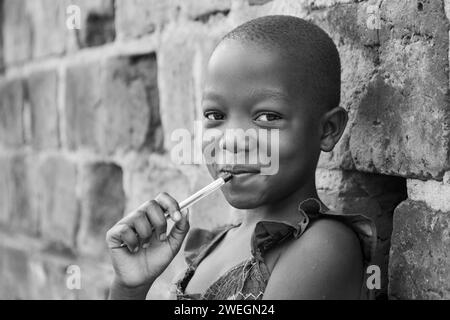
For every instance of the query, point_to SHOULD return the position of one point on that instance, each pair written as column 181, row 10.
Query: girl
column 272, row 73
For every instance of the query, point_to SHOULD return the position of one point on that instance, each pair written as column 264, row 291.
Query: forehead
column 242, row 70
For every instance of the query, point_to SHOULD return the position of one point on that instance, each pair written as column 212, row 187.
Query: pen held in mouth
column 213, row 186
column 202, row 193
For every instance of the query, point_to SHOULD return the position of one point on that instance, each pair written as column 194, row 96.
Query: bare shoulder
column 326, row 262
column 329, row 235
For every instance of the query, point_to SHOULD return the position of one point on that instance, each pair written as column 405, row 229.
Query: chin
column 243, row 201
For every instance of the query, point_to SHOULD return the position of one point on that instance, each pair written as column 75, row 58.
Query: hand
column 148, row 249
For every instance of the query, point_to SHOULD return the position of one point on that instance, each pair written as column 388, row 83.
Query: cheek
column 296, row 152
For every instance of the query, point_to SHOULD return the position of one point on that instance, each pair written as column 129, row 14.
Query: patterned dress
column 248, row 279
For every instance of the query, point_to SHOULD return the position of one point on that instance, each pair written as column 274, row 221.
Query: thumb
column 179, row 231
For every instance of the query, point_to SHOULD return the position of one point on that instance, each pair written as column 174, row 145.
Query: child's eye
column 213, row 115
column 267, row 117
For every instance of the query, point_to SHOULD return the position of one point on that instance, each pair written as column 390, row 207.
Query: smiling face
column 248, row 87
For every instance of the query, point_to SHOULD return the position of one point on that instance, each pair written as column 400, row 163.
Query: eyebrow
column 266, row 93
column 256, row 95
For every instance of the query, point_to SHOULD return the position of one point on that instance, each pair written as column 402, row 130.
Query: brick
column 14, row 275
column 258, row 2
column 26, row 275
column 97, row 22
column 358, row 50
column 33, row 29
column 102, row 204
column 58, row 205
column 197, row 10
column 406, row 107
column 49, row 32
column 37, row 29
column 11, row 112
column 47, row 278
column 384, row 73
column 135, row 18
column 17, row 34
column 42, row 95
column 374, row 196
column 182, row 60
column 447, row 8
column 17, row 205
column 113, row 106
column 146, row 175
column 434, row 193
column 1, row 37
column 419, row 265
column 316, row 4
column 130, row 103
column 82, row 98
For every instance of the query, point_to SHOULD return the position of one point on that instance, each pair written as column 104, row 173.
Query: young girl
column 274, row 72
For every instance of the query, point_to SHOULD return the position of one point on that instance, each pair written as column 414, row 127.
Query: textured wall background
column 86, row 118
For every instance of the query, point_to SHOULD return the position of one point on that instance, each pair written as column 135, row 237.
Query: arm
column 121, row 292
column 325, row 263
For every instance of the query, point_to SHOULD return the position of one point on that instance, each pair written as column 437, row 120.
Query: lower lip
column 239, row 176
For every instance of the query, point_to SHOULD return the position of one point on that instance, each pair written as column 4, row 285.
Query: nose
column 238, row 140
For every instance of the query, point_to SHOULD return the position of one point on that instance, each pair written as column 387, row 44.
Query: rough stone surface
column 97, row 22
column 358, row 50
column 43, row 275
column 434, row 193
column 374, row 196
column 42, row 95
column 102, row 205
column 49, row 31
column 419, row 265
column 406, row 105
column 11, row 112
column 200, row 10
column 130, row 102
column 17, row 196
column 135, row 18
column 81, row 102
column 182, row 60
column 385, row 72
column 146, row 175
column 58, row 205
column 1, row 37
column 113, row 104
column 86, row 119
column 17, row 37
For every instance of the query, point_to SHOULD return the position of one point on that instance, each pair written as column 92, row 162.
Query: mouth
column 239, row 170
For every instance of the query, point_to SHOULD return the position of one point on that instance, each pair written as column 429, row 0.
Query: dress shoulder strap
column 362, row 225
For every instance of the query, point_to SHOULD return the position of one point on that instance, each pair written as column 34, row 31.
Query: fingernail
column 177, row 215
column 162, row 237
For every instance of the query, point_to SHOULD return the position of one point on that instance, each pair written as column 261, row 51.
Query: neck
column 282, row 210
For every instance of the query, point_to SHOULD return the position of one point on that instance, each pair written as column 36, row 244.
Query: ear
column 332, row 126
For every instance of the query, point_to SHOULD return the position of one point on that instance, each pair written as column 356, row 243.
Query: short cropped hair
column 305, row 44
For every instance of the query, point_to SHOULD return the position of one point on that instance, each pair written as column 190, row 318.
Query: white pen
column 204, row 192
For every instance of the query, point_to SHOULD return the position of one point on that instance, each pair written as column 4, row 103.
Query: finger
column 129, row 237
column 179, row 231
column 157, row 219
column 142, row 226
column 113, row 238
column 170, row 205
column 138, row 220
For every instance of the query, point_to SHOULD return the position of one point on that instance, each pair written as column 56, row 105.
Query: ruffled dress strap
column 269, row 233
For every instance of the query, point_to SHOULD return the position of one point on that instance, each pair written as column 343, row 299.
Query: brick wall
column 86, row 118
